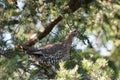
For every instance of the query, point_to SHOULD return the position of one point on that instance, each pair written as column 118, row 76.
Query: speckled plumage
column 52, row 53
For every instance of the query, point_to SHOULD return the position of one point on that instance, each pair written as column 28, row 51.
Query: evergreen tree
column 33, row 23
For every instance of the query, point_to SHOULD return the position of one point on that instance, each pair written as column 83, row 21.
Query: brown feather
column 52, row 53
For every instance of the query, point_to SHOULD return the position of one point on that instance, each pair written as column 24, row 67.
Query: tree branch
column 5, row 55
column 47, row 29
column 72, row 6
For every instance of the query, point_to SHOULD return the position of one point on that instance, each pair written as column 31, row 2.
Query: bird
column 51, row 54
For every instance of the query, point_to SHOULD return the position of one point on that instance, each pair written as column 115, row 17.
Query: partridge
column 52, row 53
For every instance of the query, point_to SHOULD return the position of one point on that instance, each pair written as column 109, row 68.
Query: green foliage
column 88, row 69
column 64, row 74
column 98, row 70
column 101, row 18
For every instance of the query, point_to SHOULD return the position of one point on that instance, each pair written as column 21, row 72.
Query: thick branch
column 47, row 29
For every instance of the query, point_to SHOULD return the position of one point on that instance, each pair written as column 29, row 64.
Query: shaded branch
column 74, row 5
column 8, row 22
column 49, row 1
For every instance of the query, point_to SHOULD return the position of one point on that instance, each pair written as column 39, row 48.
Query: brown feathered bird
column 52, row 53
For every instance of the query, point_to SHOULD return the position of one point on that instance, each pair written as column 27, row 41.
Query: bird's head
column 73, row 32
column 68, row 39
column 71, row 35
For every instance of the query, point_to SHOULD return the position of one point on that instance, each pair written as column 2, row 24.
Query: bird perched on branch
column 52, row 53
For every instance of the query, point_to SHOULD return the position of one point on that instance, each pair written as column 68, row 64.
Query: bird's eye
column 75, row 31
column 59, row 52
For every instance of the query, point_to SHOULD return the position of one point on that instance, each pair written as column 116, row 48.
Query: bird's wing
column 38, row 52
column 35, row 52
column 47, row 49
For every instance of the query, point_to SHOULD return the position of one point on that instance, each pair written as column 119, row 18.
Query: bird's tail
column 25, row 48
column 30, row 51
